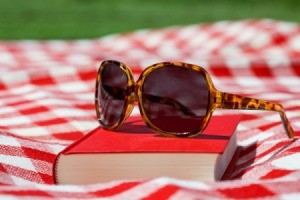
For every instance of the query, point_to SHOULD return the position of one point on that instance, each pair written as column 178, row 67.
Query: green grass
column 69, row 19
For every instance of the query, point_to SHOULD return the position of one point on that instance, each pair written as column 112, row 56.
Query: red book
column 133, row 151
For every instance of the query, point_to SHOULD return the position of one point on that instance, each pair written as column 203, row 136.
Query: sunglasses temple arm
column 231, row 101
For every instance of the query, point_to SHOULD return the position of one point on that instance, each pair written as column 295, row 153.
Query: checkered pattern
column 46, row 102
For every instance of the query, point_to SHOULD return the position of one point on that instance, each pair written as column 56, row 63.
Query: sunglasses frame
column 217, row 99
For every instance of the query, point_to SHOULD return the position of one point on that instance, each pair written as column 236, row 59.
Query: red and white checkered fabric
column 47, row 92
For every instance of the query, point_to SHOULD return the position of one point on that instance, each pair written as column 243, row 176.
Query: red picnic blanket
column 47, row 102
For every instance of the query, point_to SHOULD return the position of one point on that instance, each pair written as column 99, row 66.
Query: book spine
column 232, row 164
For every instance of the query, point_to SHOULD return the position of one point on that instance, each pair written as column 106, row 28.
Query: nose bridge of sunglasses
column 131, row 99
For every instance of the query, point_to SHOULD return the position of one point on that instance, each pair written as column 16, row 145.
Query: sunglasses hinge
column 219, row 98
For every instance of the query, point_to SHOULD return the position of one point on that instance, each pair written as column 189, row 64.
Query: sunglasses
column 175, row 99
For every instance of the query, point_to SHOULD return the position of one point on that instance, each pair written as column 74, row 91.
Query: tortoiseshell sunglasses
column 175, row 99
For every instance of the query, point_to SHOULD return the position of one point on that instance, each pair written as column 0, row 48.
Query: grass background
column 70, row 19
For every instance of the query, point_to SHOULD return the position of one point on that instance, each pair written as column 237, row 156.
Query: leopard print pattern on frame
column 231, row 101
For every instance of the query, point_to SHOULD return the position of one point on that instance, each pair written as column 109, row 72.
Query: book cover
column 133, row 151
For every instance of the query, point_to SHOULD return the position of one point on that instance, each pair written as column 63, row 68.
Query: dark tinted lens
column 175, row 99
column 112, row 94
